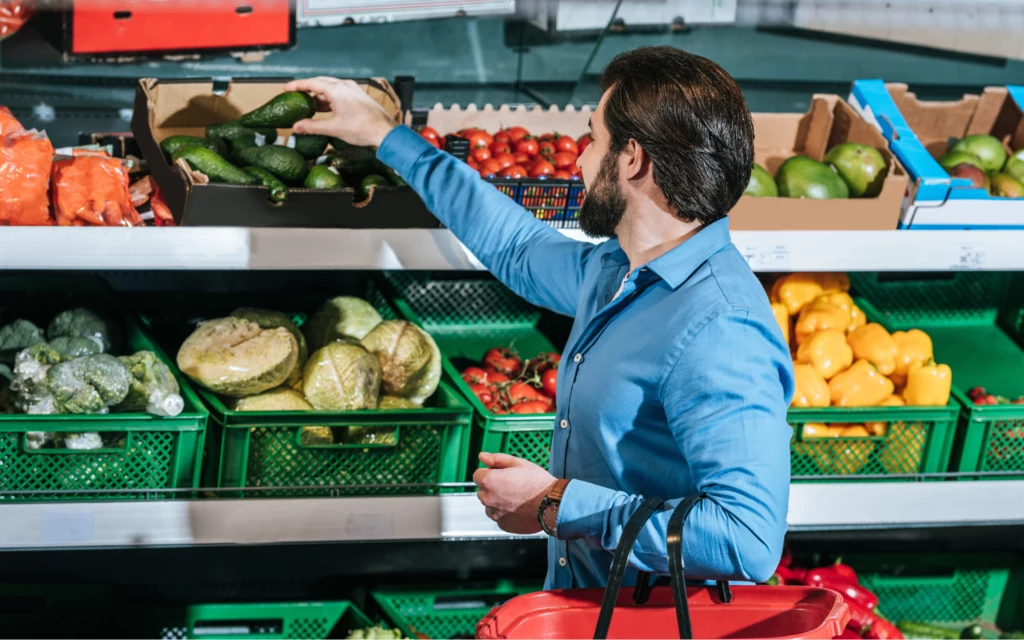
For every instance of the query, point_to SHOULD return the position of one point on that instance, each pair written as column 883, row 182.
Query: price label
column 67, row 527
column 968, row 257
column 767, row 258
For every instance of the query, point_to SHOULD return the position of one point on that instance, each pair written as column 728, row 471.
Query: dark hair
column 690, row 118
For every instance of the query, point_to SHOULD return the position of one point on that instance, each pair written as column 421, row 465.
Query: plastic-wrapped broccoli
column 153, row 387
column 31, row 393
column 20, row 334
column 71, row 347
column 83, row 441
column 82, row 323
column 89, row 384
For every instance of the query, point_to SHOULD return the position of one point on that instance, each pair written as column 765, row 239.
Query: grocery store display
column 507, row 384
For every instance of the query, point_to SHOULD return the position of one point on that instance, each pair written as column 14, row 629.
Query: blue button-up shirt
column 678, row 385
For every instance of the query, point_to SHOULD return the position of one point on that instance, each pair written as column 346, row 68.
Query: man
column 676, row 377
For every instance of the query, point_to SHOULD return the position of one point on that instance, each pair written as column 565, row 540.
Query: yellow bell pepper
column 819, row 315
column 833, row 281
column 795, row 290
column 860, row 386
column 857, row 318
column 839, row 298
column 892, row 401
column 874, row 344
column 782, row 317
column 812, row 430
column 811, row 389
column 826, row 351
column 928, row 384
column 843, row 457
column 877, row 428
column 915, row 346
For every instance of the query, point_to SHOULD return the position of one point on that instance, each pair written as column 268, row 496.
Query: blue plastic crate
column 556, row 202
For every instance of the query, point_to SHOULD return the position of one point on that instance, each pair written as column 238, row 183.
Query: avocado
column 761, row 184
column 370, row 182
column 321, row 177
column 978, row 178
column 1015, row 167
column 233, row 128
column 338, row 143
column 989, row 149
column 1006, row 186
column 399, row 182
column 287, row 164
column 802, row 177
column 250, row 140
column 354, row 163
column 216, row 168
column 220, row 146
column 173, row 144
column 860, row 166
column 282, row 112
column 954, row 158
column 278, row 190
column 310, row 146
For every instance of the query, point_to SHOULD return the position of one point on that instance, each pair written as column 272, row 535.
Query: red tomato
column 474, row 375
column 543, row 361
column 549, row 382
column 546, row 148
column 503, row 361
column 523, row 391
column 465, row 133
column 583, row 142
column 430, row 133
column 561, row 174
column 482, row 392
column 502, row 136
column 564, row 160
column 497, row 408
column 500, row 147
column 480, row 154
column 504, row 159
column 495, row 379
column 568, row 145
column 522, row 159
column 576, row 172
column 515, row 134
column 541, row 168
column 479, row 139
column 490, row 168
column 527, row 146
column 547, row 137
column 514, row 172
column 532, row 406
column 473, row 163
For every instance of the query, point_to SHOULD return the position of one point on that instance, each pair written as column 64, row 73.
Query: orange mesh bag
column 92, row 190
column 25, row 162
column 9, row 125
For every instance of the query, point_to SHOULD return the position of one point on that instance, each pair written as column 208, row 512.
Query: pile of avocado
column 983, row 160
column 850, row 170
column 244, row 152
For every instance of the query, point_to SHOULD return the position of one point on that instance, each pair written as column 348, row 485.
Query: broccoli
column 20, row 334
column 82, row 323
column 89, row 384
column 71, row 347
column 31, row 394
column 153, row 387
column 89, row 440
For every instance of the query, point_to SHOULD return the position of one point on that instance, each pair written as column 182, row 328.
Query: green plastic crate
column 268, row 620
column 158, row 452
column 467, row 317
column 262, row 449
column 976, row 322
column 945, row 589
column 452, row 613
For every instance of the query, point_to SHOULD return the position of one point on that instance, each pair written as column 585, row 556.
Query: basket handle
column 675, row 565
column 620, row 561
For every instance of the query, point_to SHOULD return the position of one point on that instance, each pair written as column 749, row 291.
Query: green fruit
column 354, row 163
column 370, row 182
column 321, row 177
column 287, row 164
column 761, row 184
column 399, row 182
column 216, row 168
column 244, row 141
column 233, row 128
column 1006, row 186
column 1015, row 167
column 173, row 144
column 278, row 190
column 282, row 112
column 338, row 143
column 860, row 166
column 802, row 177
column 978, row 178
column 954, row 158
column 310, row 146
column 990, row 150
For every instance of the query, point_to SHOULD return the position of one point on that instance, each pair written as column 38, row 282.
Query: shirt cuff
column 401, row 148
column 582, row 512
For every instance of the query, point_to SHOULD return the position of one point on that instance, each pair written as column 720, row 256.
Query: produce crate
column 262, row 449
column 944, row 589
column 469, row 316
column 269, row 620
column 451, row 613
column 157, row 452
column 556, row 202
column 976, row 321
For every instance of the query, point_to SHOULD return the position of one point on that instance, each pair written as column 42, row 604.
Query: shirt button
column 578, row 358
column 564, row 424
column 561, row 562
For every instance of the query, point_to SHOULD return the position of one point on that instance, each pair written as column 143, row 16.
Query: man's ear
column 636, row 160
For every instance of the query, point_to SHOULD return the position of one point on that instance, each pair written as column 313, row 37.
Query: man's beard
column 605, row 204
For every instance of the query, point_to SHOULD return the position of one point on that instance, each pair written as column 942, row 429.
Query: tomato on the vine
column 568, row 145
column 515, row 134
column 527, row 146
column 543, row 361
column 532, row 406
column 564, row 160
column 497, row 408
column 503, row 360
column 483, row 392
column 474, row 375
column 496, row 379
column 549, row 382
column 523, row 391
column 479, row 139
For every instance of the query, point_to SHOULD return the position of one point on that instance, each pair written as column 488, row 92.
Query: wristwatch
column 547, row 514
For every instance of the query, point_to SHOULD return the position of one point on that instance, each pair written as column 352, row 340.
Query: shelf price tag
column 60, row 527
column 967, row 257
column 767, row 258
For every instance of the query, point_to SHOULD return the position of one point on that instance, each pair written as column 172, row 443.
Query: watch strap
column 550, row 504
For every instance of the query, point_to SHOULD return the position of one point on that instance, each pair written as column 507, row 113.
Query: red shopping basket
column 662, row 612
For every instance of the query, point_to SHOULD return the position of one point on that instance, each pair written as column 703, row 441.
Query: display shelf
column 213, row 248
column 450, row 517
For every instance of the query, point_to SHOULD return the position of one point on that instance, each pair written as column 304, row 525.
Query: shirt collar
column 676, row 265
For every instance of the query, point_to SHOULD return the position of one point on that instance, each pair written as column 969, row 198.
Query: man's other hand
column 511, row 490
column 355, row 117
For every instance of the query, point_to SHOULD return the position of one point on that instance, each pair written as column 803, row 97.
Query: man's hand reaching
column 355, row 117
column 512, row 490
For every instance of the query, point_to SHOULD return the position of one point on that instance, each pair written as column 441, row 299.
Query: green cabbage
column 410, row 361
column 342, row 376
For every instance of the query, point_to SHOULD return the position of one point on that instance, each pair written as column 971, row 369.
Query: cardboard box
column 170, row 107
column 918, row 132
column 828, row 122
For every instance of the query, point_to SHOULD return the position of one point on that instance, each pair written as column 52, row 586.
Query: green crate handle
column 72, row 452
column 348, row 445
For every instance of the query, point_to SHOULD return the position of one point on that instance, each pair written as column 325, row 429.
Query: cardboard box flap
column 568, row 121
